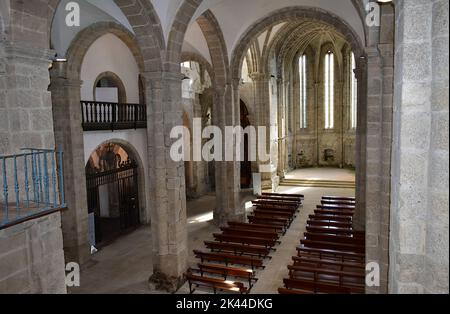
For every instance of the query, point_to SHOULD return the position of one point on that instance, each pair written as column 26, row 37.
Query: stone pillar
column 375, row 216
column 377, row 143
column 282, row 144
column 419, row 227
column 25, row 104
column 199, row 167
column 167, row 181
column 359, row 220
column 226, row 112
column 69, row 138
column 266, row 117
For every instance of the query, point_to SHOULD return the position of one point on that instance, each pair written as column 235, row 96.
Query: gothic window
column 303, row 91
column 353, row 93
column 329, row 90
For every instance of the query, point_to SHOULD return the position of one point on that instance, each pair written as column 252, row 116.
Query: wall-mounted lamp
column 384, row 1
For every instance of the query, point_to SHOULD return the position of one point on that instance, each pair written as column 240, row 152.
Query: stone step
column 318, row 183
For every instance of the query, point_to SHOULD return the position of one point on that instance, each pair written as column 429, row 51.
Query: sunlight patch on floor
column 201, row 218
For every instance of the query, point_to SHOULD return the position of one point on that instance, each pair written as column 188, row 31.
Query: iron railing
column 98, row 116
column 32, row 183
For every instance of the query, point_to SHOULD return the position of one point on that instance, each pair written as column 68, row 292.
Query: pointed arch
column 217, row 47
column 292, row 14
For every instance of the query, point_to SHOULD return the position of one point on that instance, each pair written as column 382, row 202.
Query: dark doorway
column 246, row 165
column 112, row 192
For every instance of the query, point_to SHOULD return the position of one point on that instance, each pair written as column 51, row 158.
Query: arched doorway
column 246, row 164
column 113, row 193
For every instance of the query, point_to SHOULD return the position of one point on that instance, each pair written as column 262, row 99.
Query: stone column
column 199, row 171
column 419, row 227
column 69, row 137
column 25, row 104
column 265, row 116
column 226, row 112
column 377, row 143
column 167, row 181
column 359, row 219
column 283, row 164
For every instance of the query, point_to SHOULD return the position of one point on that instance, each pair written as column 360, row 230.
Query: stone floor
column 125, row 265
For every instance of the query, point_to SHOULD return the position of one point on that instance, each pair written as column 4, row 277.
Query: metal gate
column 123, row 186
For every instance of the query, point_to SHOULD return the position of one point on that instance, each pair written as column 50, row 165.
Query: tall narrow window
column 329, row 90
column 303, row 92
column 354, row 94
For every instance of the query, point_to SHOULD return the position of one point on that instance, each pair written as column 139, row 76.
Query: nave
column 125, row 265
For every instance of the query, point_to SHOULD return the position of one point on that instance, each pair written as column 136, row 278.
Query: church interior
column 348, row 192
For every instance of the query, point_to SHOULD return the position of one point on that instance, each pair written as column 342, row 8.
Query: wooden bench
column 281, row 214
column 330, row 223
column 250, row 233
column 268, row 243
column 300, row 196
column 293, row 291
column 291, row 210
column 324, row 217
column 331, row 254
column 226, row 271
column 326, row 237
column 255, row 226
column 334, row 230
column 347, row 279
column 315, row 287
column 345, row 247
column 229, row 259
column 336, row 207
column 307, row 260
column 215, row 284
column 268, row 221
column 280, row 198
column 342, row 198
column 275, row 203
column 358, row 274
column 334, row 212
column 238, row 249
column 338, row 202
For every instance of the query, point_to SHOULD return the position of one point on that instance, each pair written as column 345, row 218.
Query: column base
column 271, row 184
column 162, row 282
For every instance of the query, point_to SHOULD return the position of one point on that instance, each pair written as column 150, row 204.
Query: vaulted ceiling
column 234, row 17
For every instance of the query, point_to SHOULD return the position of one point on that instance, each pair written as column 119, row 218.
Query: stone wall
column 32, row 257
column 419, row 236
column 310, row 143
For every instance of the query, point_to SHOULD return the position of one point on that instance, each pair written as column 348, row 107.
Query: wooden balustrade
column 98, row 116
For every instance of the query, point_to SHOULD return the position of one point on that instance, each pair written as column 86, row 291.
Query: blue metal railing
column 32, row 183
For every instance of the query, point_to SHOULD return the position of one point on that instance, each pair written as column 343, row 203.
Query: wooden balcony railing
column 99, row 116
